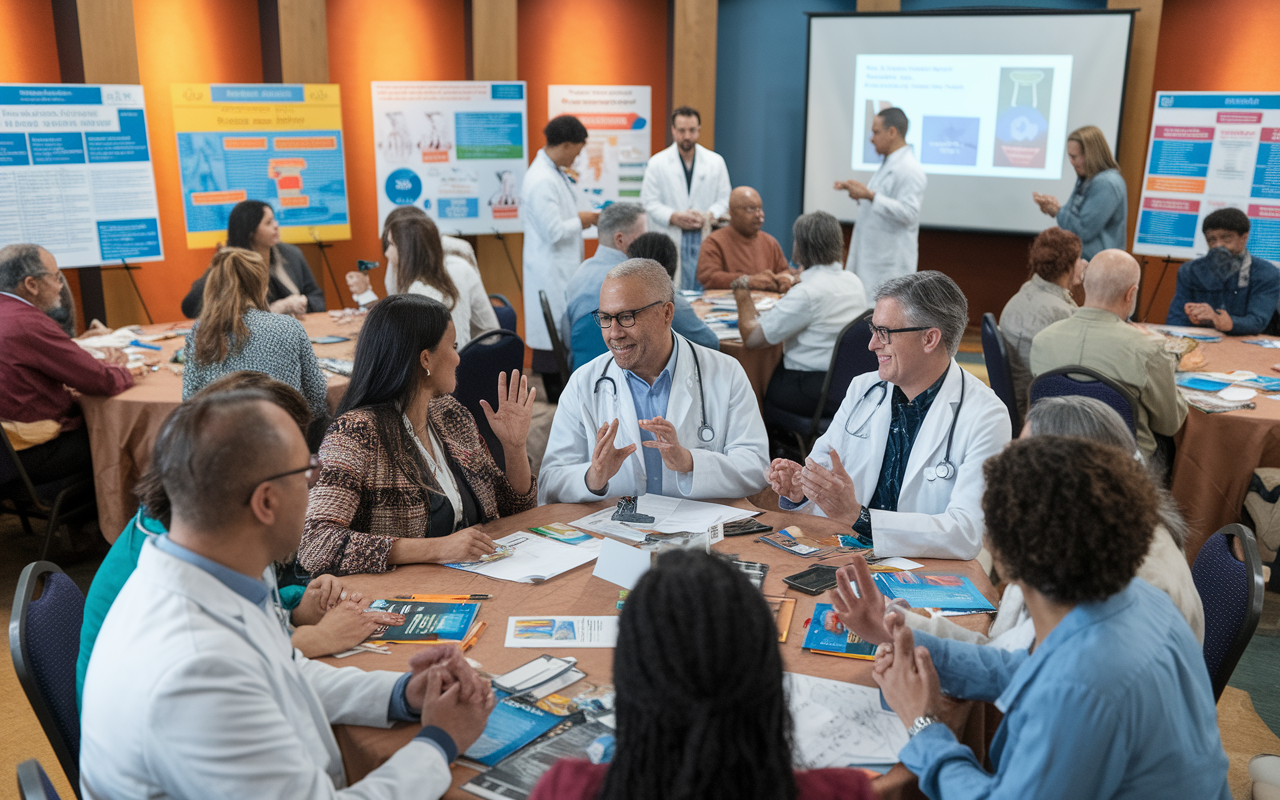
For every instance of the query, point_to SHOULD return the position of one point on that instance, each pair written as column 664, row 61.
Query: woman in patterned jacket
column 405, row 474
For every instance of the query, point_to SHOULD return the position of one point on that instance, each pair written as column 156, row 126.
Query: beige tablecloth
column 579, row 592
column 122, row 429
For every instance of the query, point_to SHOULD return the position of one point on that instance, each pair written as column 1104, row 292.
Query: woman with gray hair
column 808, row 318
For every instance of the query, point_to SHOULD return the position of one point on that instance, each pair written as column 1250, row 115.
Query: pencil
column 443, row 598
column 476, row 630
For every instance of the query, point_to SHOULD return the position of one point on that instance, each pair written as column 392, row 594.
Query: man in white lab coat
column 901, row 463
column 656, row 414
column 194, row 689
column 884, row 244
column 685, row 187
column 553, row 228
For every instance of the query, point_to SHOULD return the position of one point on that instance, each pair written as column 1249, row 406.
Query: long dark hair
column 421, row 255
column 702, row 714
column 243, row 223
column 387, row 371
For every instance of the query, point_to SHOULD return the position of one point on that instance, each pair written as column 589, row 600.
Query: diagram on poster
column 611, row 167
column 278, row 143
column 75, row 173
column 456, row 149
column 975, row 115
column 1207, row 151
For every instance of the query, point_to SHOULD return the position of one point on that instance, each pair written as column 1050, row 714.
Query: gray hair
column 931, row 300
column 895, row 118
column 618, row 218
column 649, row 272
column 1089, row 418
column 17, row 263
column 818, row 240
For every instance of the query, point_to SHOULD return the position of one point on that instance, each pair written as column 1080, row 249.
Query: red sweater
column 575, row 779
column 38, row 361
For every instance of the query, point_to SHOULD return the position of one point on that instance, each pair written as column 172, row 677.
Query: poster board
column 1210, row 150
column 280, row 143
column 75, row 173
column 618, row 121
column 456, row 149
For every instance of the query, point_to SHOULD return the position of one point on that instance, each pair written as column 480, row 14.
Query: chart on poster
column 611, row 167
column 280, row 143
column 75, row 173
column 1210, row 150
column 456, row 149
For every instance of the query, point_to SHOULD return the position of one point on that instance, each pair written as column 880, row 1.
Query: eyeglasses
column 883, row 333
column 312, row 471
column 625, row 318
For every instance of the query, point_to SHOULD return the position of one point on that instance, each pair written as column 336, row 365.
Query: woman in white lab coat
column 553, row 228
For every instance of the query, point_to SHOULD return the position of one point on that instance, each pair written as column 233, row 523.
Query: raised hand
column 784, row 478
column 906, row 675
column 832, row 489
column 510, row 423
column 676, row 457
column 606, row 459
column 862, row 611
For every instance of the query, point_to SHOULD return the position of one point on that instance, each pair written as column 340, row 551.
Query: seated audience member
column 328, row 621
column 701, row 706
column 686, row 416
column 417, row 264
column 1113, row 701
column 404, row 473
column 39, row 364
column 1165, row 566
column 901, row 463
column 292, row 288
column 193, row 689
column 618, row 226
column 1056, row 268
column 806, row 320
column 453, row 246
column 236, row 332
column 686, row 322
column 741, row 248
column 1097, row 336
column 1228, row 288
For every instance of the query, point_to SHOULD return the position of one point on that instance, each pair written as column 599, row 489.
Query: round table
column 759, row 364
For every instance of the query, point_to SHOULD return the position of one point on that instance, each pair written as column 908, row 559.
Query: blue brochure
column 512, row 725
column 943, row 591
column 1201, row 383
column 828, row 635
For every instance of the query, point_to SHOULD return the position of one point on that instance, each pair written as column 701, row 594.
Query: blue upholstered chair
column 480, row 362
column 996, row 356
column 33, row 783
column 1078, row 381
column 68, row 498
column 505, row 311
column 1232, row 593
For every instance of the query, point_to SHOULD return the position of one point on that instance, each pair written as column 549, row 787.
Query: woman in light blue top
column 1098, row 209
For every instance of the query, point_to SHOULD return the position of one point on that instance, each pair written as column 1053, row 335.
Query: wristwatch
column 920, row 724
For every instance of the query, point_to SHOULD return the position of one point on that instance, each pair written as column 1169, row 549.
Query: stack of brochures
column 576, row 737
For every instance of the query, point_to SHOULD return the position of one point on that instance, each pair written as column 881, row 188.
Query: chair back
column 996, row 355
column 33, row 782
column 557, row 345
column 44, row 641
column 10, row 467
column 480, row 362
column 1066, row 382
column 585, row 341
column 1232, row 593
column 849, row 359
column 505, row 311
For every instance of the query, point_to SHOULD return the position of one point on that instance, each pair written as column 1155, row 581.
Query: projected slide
column 974, row 115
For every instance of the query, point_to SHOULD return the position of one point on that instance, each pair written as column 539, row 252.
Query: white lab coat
column 938, row 518
column 193, row 691
column 664, row 191
column 552, row 244
column 885, row 236
column 732, row 465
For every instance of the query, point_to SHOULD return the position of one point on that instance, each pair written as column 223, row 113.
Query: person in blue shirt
column 686, row 322
column 1227, row 288
column 1098, row 209
column 1112, row 701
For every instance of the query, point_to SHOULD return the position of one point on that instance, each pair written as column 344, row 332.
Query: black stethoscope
column 706, row 434
column 946, row 470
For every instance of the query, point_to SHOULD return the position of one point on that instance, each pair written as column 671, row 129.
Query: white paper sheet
column 621, row 564
column 549, row 632
column 898, row 562
column 840, row 724
column 536, row 558
column 670, row 515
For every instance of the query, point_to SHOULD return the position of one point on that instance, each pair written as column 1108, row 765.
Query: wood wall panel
column 693, row 61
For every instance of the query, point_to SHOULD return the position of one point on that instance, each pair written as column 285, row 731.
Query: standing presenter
column 1098, row 209
column 884, row 244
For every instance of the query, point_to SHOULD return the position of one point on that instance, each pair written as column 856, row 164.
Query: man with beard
column 1228, row 288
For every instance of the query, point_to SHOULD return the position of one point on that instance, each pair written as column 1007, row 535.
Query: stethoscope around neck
column 706, row 434
column 945, row 469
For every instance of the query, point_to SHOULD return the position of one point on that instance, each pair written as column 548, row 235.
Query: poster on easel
column 76, row 175
column 456, row 149
column 280, row 143
column 1210, row 150
column 611, row 167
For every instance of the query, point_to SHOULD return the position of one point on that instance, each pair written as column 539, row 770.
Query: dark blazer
column 295, row 265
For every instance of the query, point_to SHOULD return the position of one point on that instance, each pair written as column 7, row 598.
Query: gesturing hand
column 784, row 478
column 857, row 189
column 862, row 611
column 675, row 456
column 1048, row 203
column 832, row 489
column 906, row 675
column 510, row 423
column 606, row 459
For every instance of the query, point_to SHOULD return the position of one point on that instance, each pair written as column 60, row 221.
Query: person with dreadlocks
column 701, row 708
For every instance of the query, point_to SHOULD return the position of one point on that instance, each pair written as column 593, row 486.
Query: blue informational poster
column 75, row 173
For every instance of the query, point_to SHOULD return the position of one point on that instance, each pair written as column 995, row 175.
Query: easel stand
column 337, row 290
column 1156, row 292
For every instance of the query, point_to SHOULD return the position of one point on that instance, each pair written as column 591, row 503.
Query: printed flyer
column 611, row 166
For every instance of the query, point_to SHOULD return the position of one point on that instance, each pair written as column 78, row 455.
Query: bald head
column 746, row 211
column 1111, row 282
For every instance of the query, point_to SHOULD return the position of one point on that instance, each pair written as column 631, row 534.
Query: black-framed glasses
column 312, row 470
column 883, row 333
column 625, row 318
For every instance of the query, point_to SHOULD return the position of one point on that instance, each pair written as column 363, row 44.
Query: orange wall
column 361, row 51
column 28, row 49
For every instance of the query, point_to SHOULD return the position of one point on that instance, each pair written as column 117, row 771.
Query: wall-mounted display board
column 611, row 166
column 280, row 143
column 456, row 149
column 1210, row 150
column 75, row 173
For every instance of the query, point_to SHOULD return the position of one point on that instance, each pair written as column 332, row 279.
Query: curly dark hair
column 1069, row 517
column 1054, row 253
